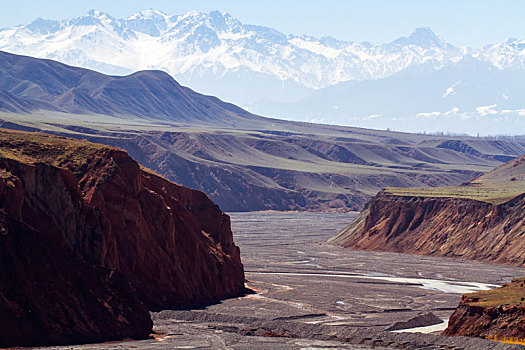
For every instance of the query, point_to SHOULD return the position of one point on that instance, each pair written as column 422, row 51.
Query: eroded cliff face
column 173, row 243
column 48, row 295
column 497, row 314
column 450, row 227
column 89, row 242
column 482, row 220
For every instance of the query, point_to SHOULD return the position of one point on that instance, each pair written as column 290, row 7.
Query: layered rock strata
column 450, row 227
column 497, row 314
column 90, row 241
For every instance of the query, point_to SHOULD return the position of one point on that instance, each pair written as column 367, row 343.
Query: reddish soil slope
column 101, row 235
column 482, row 220
column 497, row 314
column 452, row 227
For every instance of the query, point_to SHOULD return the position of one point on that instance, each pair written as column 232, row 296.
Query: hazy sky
column 462, row 22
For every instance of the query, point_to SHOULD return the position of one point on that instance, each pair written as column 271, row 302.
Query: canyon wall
column 451, row 227
column 89, row 242
column 497, row 314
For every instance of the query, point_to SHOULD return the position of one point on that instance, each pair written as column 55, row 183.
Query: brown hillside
column 495, row 314
column 102, row 215
column 482, row 220
column 242, row 161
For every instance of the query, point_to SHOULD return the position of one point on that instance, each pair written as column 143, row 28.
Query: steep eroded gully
column 302, row 301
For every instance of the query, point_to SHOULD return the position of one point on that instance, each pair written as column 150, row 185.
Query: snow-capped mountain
column 199, row 48
column 468, row 96
column 265, row 70
column 505, row 55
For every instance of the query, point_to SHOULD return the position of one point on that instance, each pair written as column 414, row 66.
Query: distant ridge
column 242, row 161
column 419, row 82
column 28, row 84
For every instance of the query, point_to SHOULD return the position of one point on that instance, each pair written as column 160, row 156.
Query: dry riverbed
column 308, row 295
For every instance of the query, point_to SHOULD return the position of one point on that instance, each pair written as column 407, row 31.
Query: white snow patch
column 315, row 47
column 455, row 287
column 485, row 110
column 452, row 89
column 446, row 286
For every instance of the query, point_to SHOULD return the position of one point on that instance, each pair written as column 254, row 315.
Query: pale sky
column 461, row 22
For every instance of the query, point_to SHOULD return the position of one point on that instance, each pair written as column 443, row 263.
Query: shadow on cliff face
column 49, row 297
column 90, row 242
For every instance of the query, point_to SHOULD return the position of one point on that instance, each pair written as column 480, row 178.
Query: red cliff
column 497, row 314
column 87, row 236
column 451, row 227
column 173, row 243
column 482, row 220
column 48, row 296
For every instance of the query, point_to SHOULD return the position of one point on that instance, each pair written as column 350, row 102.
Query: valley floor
column 312, row 296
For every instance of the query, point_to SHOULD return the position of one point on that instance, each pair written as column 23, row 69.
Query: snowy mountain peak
column 196, row 46
column 99, row 14
column 424, row 34
column 215, row 20
column 223, row 21
column 149, row 14
column 425, row 38
column 217, row 14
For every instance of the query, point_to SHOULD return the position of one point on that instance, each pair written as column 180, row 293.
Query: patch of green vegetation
column 496, row 194
column 42, row 148
column 511, row 294
column 496, row 187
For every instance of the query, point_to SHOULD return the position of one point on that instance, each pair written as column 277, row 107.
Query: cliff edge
column 497, row 314
column 89, row 242
column 481, row 220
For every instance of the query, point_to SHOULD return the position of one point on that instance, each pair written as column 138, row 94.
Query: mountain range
column 271, row 73
column 28, row 84
column 468, row 97
column 241, row 160
column 196, row 44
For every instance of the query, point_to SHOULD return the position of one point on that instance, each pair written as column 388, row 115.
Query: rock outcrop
column 89, row 241
column 497, row 314
column 47, row 294
column 481, row 220
column 173, row 243
column 422, row 320
column 451, row 227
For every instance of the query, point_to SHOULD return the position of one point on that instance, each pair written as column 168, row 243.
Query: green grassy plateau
column 263, row 164
column 498, row 186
